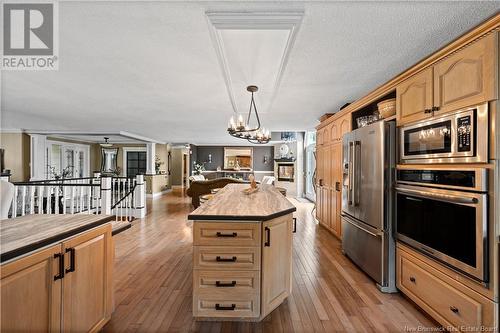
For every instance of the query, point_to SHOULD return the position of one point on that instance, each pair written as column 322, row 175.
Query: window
column 136, row 163
column 67, row 160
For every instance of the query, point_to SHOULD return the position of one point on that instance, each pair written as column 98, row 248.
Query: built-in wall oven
column 443, row 213
column 458, row 137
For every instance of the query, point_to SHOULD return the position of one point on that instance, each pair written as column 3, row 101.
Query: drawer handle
column 220, row 284
column 218, row 307
column 220, row 234
column 71, row 260
column 454, row 309
column 268, row 234
column 218, row 258
column 60, row 274
column 412, row 279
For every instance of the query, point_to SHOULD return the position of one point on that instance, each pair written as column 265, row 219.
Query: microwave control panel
column 464, row 133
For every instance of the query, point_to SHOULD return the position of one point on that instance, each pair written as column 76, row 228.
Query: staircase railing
column 122, row 196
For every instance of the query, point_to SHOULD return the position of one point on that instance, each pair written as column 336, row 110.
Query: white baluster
column 32, row 199
column 56, row 199
column 81, row 198
column 64, row 199
column 40, row 199
column 23, row 200
column 48, row 190
column 89, row 197
column 72, row 200
column 14, row 202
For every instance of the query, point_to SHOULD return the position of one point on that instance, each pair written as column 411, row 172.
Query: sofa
column 201, row 187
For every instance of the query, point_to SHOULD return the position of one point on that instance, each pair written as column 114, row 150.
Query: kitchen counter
column 232, row 204
column 25, row 234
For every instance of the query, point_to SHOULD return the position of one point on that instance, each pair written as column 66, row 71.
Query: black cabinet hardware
column 435, row 108
column 268, row 237
column 218, row 307
column 218, row 258
column 294, row 225
column 453, row 309
column 220, row 234
column 337, row 187
column 220, row 284
column 60, row 274
column 427, row 110
column 321, row 182
column 71, row 260
column 412, row 279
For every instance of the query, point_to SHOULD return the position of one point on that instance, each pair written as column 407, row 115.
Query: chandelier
column 242, row 130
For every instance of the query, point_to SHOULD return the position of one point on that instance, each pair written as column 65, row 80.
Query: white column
column 150, row 158
column 37, row 156
column 106, row 195
column 140, row 197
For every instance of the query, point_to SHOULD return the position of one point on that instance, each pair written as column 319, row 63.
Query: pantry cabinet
column 329, row 174
column 464, row 78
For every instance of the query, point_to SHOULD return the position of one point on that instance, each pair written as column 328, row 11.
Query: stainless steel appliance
column 458, row 137
column 443, row 213
column 367, row 210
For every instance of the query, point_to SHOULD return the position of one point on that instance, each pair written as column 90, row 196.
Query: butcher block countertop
column 231, row 204
column 24, row 234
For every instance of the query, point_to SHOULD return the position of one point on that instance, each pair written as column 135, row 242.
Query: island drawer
column 226, row 233
column 243, row 306
column 449, row 302
column 226, row 258
column 226, row 282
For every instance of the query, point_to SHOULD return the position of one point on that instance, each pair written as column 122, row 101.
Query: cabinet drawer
column 226, row 282
column 226, row 233
column 454, row 306
column 243, row 306
column 220, row 257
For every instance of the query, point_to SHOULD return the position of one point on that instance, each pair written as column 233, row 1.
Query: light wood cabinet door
column 276, row 262
column 334, row 132
column 327, row 166
column 344, row 126
column 31, row 297
column 87, row 284
column 467, row 77
column 319, row 138
column 320, row 165
column 414, row 97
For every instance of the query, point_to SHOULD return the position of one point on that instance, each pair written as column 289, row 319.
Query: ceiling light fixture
column 242, row 130
column 106, row 144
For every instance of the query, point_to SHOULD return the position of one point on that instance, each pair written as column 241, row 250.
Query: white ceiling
column 151, row 68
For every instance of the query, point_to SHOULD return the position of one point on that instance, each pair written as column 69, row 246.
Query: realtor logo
column 29, row 36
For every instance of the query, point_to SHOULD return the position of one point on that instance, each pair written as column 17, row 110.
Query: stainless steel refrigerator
column 367, row 201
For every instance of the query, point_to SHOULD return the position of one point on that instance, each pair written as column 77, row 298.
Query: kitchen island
column 242, row 254
column 56, row 273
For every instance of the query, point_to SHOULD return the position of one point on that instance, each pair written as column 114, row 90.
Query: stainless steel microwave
column 457, row 137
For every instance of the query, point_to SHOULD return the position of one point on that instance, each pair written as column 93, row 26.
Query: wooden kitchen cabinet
column 64, row 288
column 276, row 263
column 31, row 297
column 467, row 77
column 414, row 97
column 88, row 284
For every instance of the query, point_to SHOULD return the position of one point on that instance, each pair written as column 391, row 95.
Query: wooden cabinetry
column 31, row 297
column 465, row 78
column 329, row 174
column 66, row 287
column 414, row 97
column 241, row 269
column 450, row 302
column 276, row 263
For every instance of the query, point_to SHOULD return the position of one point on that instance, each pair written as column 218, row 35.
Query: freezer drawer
column 363, row 245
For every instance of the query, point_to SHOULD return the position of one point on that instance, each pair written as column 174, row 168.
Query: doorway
column 136, row 163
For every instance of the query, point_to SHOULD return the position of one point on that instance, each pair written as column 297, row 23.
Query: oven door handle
column 438, row 196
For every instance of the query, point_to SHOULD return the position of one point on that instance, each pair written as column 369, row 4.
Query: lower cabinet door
column 276, row 262
column 31, row 293
column 87, row 286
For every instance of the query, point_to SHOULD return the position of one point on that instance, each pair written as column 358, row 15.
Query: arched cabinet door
column 467, row 77
column 414, row 97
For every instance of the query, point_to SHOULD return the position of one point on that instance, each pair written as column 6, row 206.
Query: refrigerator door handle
column 349, row 173
column 348, row 220
column 355, row 172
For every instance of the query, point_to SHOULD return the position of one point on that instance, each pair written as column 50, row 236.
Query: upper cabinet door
column 414, row 97
column 334, row 132
column 345, row 125
column 31, row 293
column 467, row 77
column 319, row 137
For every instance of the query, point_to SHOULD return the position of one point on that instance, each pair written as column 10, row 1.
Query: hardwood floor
column 153, row 282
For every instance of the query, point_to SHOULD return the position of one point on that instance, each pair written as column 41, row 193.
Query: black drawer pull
column 218, row 258
column 60, row 274
column 71, row 260
column 220, row 284
column 218, row 307
column 220, row 234
column 412, row 279
column 427, row 110
column 454, row 309
column 294, row 225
